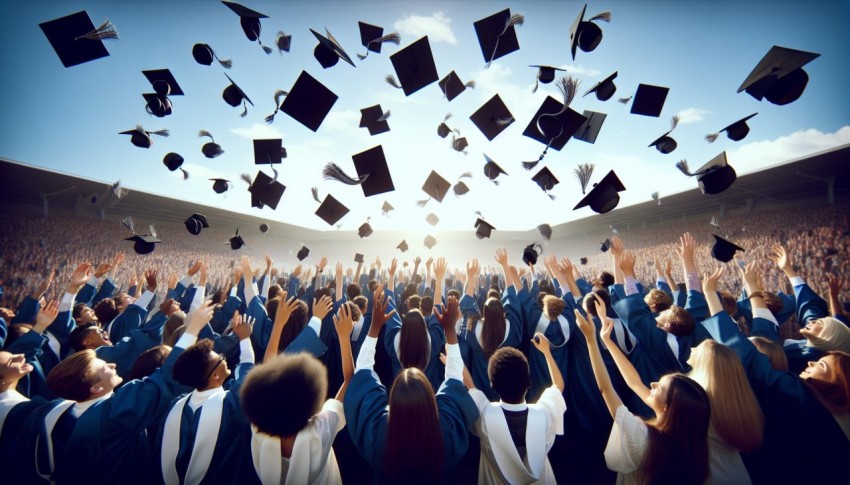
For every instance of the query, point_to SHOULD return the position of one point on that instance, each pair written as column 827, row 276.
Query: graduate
column 31, row 345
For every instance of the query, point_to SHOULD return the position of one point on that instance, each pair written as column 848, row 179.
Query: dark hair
column 413, row 413
column 353, row 290
column 355, row 310
column 271, row 307
column 426, row 305
column 681, row 322
column 193, row 365
column 274, row 291
column 493, row 331
column 606, row 279
column 362, row 303
column 589, row 302
column 78, row 310
column 16, row 330
column 413, row 348
column 547, row 286
column 78, row 335
column 774, row 352
column 494, row 293
column 509, row 374
column 453, row 292
column 280, row 396
column 175, row 321
column 149, row 361
column 321, row 293
column 678, row 444
column 409, row 291
column 773, row 303
column 553, row 306
column 660, row 300
column 413, row 302
column 73, row 377
column 372, row 284
column 219, row 297
column 296, row 323
column 106, row 311
column 834, row 392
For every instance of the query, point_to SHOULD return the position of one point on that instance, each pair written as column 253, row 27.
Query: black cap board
column 436, row 186
column 403, row 246
column 309, row 101
column 724, row 250
column 163, row 82
column 220, row 186
column 559, row 128
column 303, row 253
column 75, row 38
column 374, row 119
column 546, row 74
column 604, row 89
column 159, row 106
column 779, row 76
column 142, row 138
column 492, row 169
column 432, row 219
column 531, row 252
column 585, row 34
column 605, row 246
column 195, row 223
column 248, row 19
column 493, row 117
column 589, row 130
column 244, row 12
column 283, row 42
column 649, row 100
column 483, row 229
column 328, row 51
column 452, row 86
column 365, row 230
column 430, row 241
column 266, row 191
column 497, row 35
column 665, row 143
column 269, row 151
column 737, row 131
column 545, row 179
column 414, row 66
column 359, row 258
column 234, row 96
column 144, row 244
column 604, row 196
column 236, row 241
column 714, row 177
column 369, row 34
column 545, row 230
column 373, row 163
column 331, row 210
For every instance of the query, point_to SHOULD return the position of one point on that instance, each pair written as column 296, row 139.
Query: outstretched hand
column 541, row 343
column 780, row 256
column 502, row 257
column 448, row 317
column 285, row 307
column 588, row 329
column 199, row 317
column 379, row 311
column 242, row 325
column 685, row 248
column 709, row 286
column 46, row 316
column 322, row 307
column 343, row 322
column 79, row 277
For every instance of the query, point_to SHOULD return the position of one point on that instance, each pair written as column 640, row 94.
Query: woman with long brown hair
column 672, row 448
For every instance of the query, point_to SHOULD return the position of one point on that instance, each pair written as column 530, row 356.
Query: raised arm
column 617, row 249
column 284, row 309
column 567, row 271
column 391, row 273
column 472, row 270
column 344, row 325
column 338, row 295
column 685, row 250
column 624, row 365
column 541, row 343
column 440, row 274
column 835, row 284
column 709, row 288
column 603, row 380
column 510, row 280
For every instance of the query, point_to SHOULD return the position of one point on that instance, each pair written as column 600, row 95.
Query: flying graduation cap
column 665, row 143
column 143, row 243
column 372, row 37
column 432, row 219
column 303, row 253
column 545, row 230
column 714, row 177
column 723, row 249
column 483, row 229
column 779, row 76
column 75, row 38
column 436, row 187
column 269, row 151
column 330, row 210
column 374, row 119
column 546, row 180
column 402, row 246
column 328, row 51
column 430, row 241
column 589, row 130
column 443, row 129
column 196, row 223
column 204, row 55
column 545, row 75
column 250, row 21
column 174, row 161
column 585, row 34
column 460, row 187
column 309, row 101
column 142, row 138
column 414, row 66
column 492, row 170
column 220, row 186
column 531, row 253
column 493, row 117
column 210, row 149
column 386, row 208
column 497, row 34
column 236, row 242
column 365, row 230
column 555, row 123
column 164, row 85
column 604, row 196
column 737, row 131
column 452, row 86
column 604, row 89
column 372, row 169
column 234, row 96
column 283, row 42
column 648, row 100
column 265, row 191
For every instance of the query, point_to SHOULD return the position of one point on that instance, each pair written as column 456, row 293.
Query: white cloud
column 437, row 27
column 691, row 115
column 342, row 121
column 758, row 155
column 258, row 131
column 579, row 69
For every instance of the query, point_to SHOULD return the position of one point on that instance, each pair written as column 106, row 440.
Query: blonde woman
column 737, row 422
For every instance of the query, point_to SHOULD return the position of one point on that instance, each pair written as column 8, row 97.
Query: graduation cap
column 555, row 123
column 583, row 260
column 430, row 241
column 585, row 34
column 365, row 230
column 605, row 246
column 359, row 258
column 163, row 82
column 546, row 180
column 496, row 34
column 443, row 129
column 264, row 228
column 236, row 241
column 665, row 143
column 283, row 42
column 737, row 131
column 386, row 208
column 204, row 55
column 604, row 196
column 589, row 130
column 265, row 191
column 483, row 229
column 309, row 101
column 493, row 117
column 452, row 86
column 724, row 250
column 432, row 219
column 220, row 186
column 174, row 161
column 372, row 169
column 436, row 187
column 328, row 51
column 156, row 105
column 545, row 230
column 195, row 223
column 268, row 152
column 648, row 100
column 372, row 38
column 531, row 253
column 374, row 119
column 234, row 96
column 75, row 38
column 604, row 89
column 545, row 75
column 402, row 245
column 142, row 138
column 714, row 177
column 492, row 169
column 210, row 149
column 779, row 76
column 303, row 253
column 460, row 187
column 144, row 243
column 250, row 21
column 414, row 66
column 330, row 210
column 459, row 143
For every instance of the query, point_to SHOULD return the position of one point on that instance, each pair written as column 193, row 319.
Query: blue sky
column 68, row 119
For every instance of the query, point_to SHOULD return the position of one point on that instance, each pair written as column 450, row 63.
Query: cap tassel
column 711, row 137
column 333, row 171
column 551, row 197
column 568, row 86
column 536, row 85
column 604, row 16
column 516, row 19
column 163, row 133
column 128, row 223
column 105, row 31
column 384, row 117
column 390, row 79
column 244, row 109
column 151, row 230
column 714, row 222
column 470, row 84
column 624, row 100
column 423, row 203
column 274, row 171
column 683, row 166
column 225, row 63
column 277, row 95
column 583, row 172
column 247, row 178
column 656, row 197
column 185, row 174
column 266, row 49
column 391, row 38
column 315, row 192
column 530, row 165
column 203, row 133
column 674, row 122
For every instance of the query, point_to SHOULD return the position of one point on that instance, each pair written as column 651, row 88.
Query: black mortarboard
column 605, row 246
column 142, row 138
column 546, row 180
column 452, row 86
column 714, row 177
column 331, row 210
column 264, row 228
column 157, row 105
column 220, row 186
column 268, row 151
column 249, row 19
column 75, row 38
column 736, row 131
column 266, row 191
column 303, row 253
column 234, row 96
column 546, row 74
column 163, row 82
column 402, row 245
column 144, row 244
column 373, row 163
column 210, row 149
column 585, row 34
column 604, row 89
column 432, row 219
column 492, row 169
column 236, row 241
column 531, row 252
column 545, row 230
column 665, row 143
column 583, row 260
column 204, row 55
column 604, row 196
column 430, row 241
column 558, row 128
column 649, row 100
column 386, row 208
column 365, row 230
column 724, row 250
column 779, row 75
column 358, row 258
column 195, row 223
column 496, row 34
column 436, row 186
column 374, row 119
column 589, row 130
column 283, row 42
column 309, row 101
column 173, row 161
column 369, row 34
column 493, row 117
column 328, row 51
column 483, row 228
column 414, row 66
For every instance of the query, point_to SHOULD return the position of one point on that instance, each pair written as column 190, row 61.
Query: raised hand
column 685, row 248
column 780, row 256
column 322, row 263
column 268, row 263
column 102, row 269
column 617, row 246
column 194, row 269
column 46, row 316
column 417, row 260
column 449, row 317
column 379, row 311
column 429, row 262
column 242, row 325
column 627, row 263
column 472, row 269
column 751, row 278
column 172, row 280
column 440, row 268
column 541, row 343
column 322, row 307
column 199, row 317
column 338, row 271
column 378, row 262
column 709, row 286
column 567, row 266
column 502, row 257
column 297, row 271
column 118, row 260
column 45, row 285
column 150, row 279
column 247, row 271
column 835, row 283
column 343, row 323
column 393, row 267
column 285, row 308
column 588, row 329
column 79, row 277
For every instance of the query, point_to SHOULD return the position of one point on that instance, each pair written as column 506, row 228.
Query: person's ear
column 95, row 389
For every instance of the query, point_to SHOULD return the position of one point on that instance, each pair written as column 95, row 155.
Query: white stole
column 620, row 333
column 673, row 342
column 53, row 344
column 478, row 327
column 9, row 399
column 505, row 454
column 265, row 453
column 49, row 423
column 205, row 440
column 358, row 327
column 544, row 321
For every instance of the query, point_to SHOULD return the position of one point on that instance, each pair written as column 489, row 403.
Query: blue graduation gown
column 222, row 315
column 12, row 428
column 31, row 344
column 131, row 318
column 540, row 378
column 435, row 370
column 124, row 352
